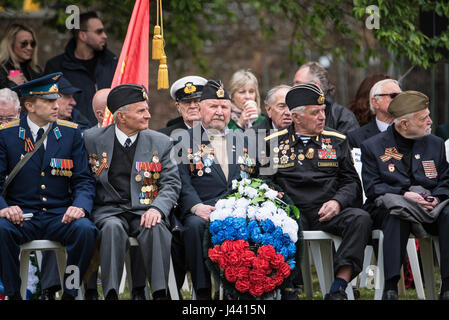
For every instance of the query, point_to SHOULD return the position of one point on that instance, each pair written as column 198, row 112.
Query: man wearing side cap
column 406, row 180
column 53, row 182
column 137, row 186
column 67, row 103
column 314, row 168
column 186, row 92
column 209, row 163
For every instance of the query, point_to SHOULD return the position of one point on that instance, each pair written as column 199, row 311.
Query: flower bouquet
column 254, row 242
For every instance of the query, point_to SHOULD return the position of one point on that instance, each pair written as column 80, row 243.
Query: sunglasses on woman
column 25, row 44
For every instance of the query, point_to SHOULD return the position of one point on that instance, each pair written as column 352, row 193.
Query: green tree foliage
column 335, row 27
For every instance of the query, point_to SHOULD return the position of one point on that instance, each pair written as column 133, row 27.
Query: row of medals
column 284, row 147
column 149, row 187
column 201, row 160
column 60, row 172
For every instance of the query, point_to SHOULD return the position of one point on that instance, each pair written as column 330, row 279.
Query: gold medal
column 276, row 149
column 147, row 201
column 200, row 173
column 138, row 178
column 53, row 172
column 156, row 175
column 69, row 173
column 292, row 156
column 300, row 157
column 284, row 159
column 310, row 153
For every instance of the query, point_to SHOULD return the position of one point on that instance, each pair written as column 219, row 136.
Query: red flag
column 133, row 64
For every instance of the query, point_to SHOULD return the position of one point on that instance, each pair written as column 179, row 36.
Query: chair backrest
column 357, row 156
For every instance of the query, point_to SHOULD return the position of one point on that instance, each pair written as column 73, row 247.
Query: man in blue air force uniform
column 55, row 184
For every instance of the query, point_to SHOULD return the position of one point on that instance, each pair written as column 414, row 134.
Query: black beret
column 125, row 94
column 214, row 89
column 304, row 94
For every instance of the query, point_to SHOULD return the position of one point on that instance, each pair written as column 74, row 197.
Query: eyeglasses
column 7, row 119
column 98, row 31
column 391, row 95
column 25, row 44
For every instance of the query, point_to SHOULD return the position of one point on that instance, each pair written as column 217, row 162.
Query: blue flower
column 267, row 225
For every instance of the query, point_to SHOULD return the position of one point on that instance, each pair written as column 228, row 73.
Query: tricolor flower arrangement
column 254, row 239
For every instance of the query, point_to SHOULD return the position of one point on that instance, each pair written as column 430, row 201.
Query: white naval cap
column 187, row 88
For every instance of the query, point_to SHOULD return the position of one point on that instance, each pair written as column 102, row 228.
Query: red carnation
column 231, row 274
column 256, row 290
column 242, row 285
column 242, row 273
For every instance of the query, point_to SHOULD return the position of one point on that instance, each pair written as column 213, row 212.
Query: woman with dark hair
column 360, row 104
column 18, row 56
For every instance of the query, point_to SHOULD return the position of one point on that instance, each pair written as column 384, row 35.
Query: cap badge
column 144, row 94
column 220, row 92
column 189, row 88
column 321, row 100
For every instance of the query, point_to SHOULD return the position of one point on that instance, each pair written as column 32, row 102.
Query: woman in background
column 18, row 56
column 245, row 98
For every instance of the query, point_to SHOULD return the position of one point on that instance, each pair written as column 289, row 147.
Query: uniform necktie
column 41, row 150
column 128, row 143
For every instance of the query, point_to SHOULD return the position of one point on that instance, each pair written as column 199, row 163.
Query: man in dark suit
column 186, row 92
column 54, row 184
column 137, row 186
column 209, row 163
column 277, row 110
column 404, row 157
column 338, row 117
column 380, row 97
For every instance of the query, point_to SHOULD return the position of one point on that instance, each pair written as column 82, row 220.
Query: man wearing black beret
column 209, row 162
column 137, row 186
column 313, row 166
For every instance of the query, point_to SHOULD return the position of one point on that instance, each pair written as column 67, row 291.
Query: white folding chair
column 172, row 287
column 40, row 245
column 320, row 245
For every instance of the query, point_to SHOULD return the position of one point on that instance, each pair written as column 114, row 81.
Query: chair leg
column 366, row 263
column 24, row 267
column 379, row 279
column 414, row 265
column 425, row 245
column 306, row 272
column 322, row 257
column 172, row 287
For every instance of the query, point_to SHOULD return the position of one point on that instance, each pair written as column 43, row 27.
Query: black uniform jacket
column 314, row 173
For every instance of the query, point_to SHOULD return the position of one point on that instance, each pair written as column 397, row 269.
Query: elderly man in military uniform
column 210, row 157
column 314, row 168
column 137, row 186
column 48, row 179
column 186, row 92
column 406, row 180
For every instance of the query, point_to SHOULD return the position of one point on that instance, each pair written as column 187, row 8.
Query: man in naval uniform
column 137, row 186
column 53, row 183
column 314, row 168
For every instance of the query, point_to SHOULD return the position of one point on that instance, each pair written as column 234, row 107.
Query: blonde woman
column 18, row 56
column 245, row 97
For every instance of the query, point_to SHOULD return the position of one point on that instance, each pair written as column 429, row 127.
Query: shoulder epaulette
column 276, row 134
column 66, row 123
column 333, row 133
column 11, row 124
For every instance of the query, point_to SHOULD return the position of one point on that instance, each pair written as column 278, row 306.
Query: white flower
column 230, row 203
column 270, row 206
column 235, row 184
column 250, row 192
column 242, row 189
column 239, row 213
column 242, row 203
column 251, row 212
column 271, row 194
column 263, row 213
column 246, row 181
column 220, row 204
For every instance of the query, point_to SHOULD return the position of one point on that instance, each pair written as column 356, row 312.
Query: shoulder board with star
column 276, row 134
column 66, row 123
column 11, row 124
column 334, row 134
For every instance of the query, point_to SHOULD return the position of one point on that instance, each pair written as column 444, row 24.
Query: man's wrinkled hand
column 150, row 218
column 72, row 214
column 13, row 214
column 329, row 210
column 204, row 211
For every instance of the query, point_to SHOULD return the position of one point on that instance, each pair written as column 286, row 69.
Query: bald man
column 99, row 104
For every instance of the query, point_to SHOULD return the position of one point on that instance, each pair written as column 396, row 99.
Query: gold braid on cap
column 314, row 88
